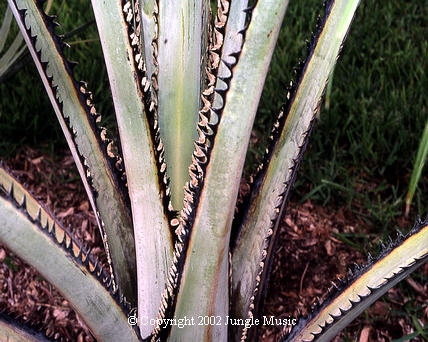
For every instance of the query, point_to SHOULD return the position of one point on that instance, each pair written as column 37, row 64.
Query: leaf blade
column 259, row 221
column 209, row 222
column 77, row 120
column 371, row 282
column 179, row 48
column 36, row 236
column 142, row 152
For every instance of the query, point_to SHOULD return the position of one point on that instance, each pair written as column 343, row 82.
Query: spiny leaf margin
column 100, row 165
column 24, row 329
column 148, row 89
column 206, row 128
column 255, row 220
column 359, row 273
column 46, row 224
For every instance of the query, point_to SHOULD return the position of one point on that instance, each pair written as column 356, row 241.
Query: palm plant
column 185, row 93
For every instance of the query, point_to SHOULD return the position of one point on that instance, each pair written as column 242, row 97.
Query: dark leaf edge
column 69, row 245
column 35, row 330
column 193, row 188
column 148, row 89
column 106, row 146
column 353, row 275
column 266, row 259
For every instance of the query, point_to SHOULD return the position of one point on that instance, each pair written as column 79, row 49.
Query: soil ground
column 308, row 257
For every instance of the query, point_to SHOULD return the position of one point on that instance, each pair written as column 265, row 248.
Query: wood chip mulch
column 308, row 256
column 23, row 291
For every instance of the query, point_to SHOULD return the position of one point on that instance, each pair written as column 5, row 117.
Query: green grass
column 363, row 148
column 418, row 166
column 26, row 116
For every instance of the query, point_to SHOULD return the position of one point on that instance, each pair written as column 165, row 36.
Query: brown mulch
column 309, row 255
column 23, row 291
column 307, row 259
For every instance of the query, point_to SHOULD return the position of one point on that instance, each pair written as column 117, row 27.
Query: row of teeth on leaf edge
column 107, row 146
column 200, row 160
column 352, row 276
column 64, row 239
column 256, row 301
column 149, row 90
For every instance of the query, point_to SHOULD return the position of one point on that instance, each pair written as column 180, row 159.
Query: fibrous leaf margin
column 50, row 227
column 192, row 190
column 68, row 243
column 114, row 160
column 148, row 87
column 266, row 257
column 152, row 231
column 113, row 163
column 354, row 275
column 24, row 327
column 178, row 39
column 262, row 29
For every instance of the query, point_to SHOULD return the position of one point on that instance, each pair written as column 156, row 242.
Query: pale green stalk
column 153, row 239
column 179, row 78
column 207, row 256
column 75, row 115
column 260, row 223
